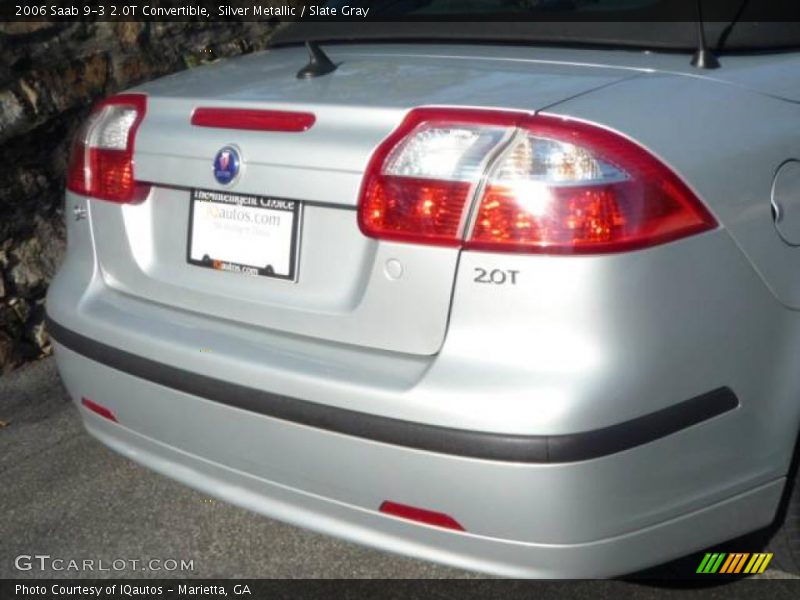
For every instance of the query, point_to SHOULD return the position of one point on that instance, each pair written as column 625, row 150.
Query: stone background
column 50, row 74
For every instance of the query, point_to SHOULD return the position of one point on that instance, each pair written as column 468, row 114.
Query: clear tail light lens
column 101, row 160
column 537, row 184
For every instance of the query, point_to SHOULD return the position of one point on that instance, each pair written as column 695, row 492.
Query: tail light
column 101, row 161
column 253, row 120
column 511, row 182
column 420, row 180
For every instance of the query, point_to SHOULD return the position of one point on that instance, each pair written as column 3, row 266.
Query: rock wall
column 50, row 74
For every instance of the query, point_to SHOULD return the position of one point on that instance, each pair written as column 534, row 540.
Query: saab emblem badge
column 226, row 165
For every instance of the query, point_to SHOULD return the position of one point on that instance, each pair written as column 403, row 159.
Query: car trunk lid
column 346, row 288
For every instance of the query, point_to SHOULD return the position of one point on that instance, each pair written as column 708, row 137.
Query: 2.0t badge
column 226, row 165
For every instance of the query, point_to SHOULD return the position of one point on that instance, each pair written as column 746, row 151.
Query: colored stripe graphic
column 711, row 562
column 703, row 563
column 728, row 563
column 720, row 562
column 758, row 564
column 740, row 564
column 734, row 562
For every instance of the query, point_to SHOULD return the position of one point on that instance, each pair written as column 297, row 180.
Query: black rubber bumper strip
column 458, row 442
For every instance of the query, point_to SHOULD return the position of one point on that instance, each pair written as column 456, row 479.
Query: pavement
column 65, row 495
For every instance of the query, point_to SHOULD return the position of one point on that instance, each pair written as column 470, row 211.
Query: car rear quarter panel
column 616, row 336
column 726, row 142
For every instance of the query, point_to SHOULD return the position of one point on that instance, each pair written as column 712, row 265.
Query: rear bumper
column 419, row 436
column 584, row 444
column 334, row 483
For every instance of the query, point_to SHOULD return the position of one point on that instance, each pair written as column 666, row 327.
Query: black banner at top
column 403, row 10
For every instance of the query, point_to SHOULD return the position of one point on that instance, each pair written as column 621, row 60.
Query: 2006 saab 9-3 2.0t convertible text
column 518, row 307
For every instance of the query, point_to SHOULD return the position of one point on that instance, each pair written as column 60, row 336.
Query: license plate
column 252, row 235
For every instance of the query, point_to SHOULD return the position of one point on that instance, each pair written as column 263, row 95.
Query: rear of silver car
column 520, row 413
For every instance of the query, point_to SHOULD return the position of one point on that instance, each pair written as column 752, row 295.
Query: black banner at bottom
column 385, row 589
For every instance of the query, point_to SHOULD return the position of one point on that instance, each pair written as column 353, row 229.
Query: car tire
column 785, row 538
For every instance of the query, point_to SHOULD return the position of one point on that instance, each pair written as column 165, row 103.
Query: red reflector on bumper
column 420, row 515
column 100, row 410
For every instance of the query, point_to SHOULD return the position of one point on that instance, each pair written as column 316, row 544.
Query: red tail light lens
column 415, row 209
column 537, row 184
column 101, row 161
column 421, row 515
column 253, row 120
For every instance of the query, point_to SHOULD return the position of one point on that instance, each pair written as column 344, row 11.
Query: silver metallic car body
column 578, row 345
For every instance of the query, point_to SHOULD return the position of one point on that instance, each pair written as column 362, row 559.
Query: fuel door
column 786, row 202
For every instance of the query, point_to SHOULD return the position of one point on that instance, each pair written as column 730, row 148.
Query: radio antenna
column 318, row 63
column 703, row 58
